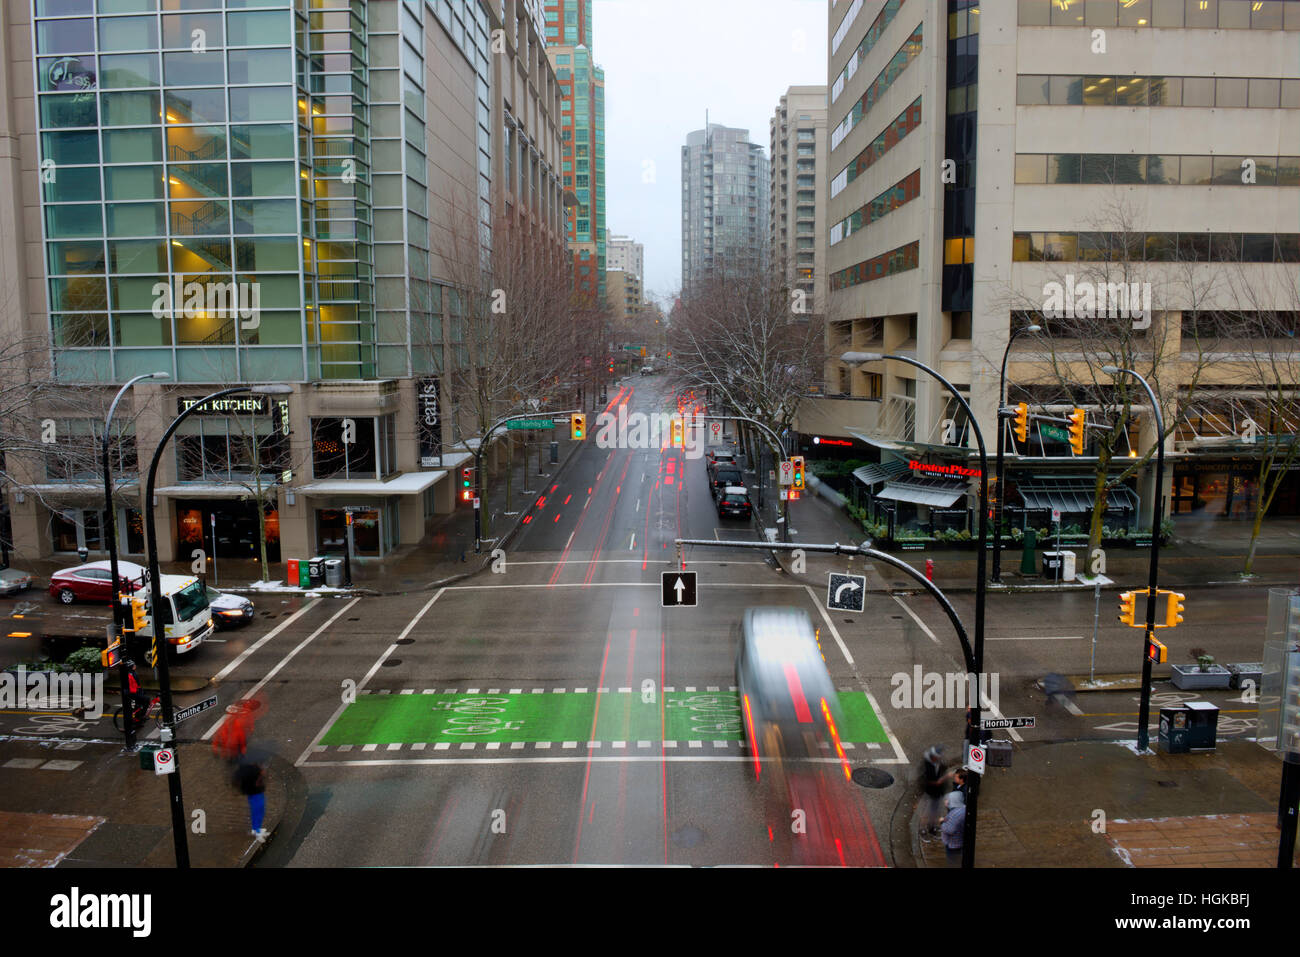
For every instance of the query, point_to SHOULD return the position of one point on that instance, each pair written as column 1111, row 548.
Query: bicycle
column 140, row 715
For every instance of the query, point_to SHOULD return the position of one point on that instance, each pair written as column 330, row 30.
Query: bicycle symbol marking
column 474, row 716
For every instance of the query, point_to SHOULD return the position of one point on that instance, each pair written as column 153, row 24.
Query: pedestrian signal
column 1022, row 422
column 578, row 427
column 111, row 656
column 1156, row 651
column 1128, row 607
column 1174, row 610
column 1077, row 419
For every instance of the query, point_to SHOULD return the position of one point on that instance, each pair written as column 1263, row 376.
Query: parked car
column 229, row 610
column 725, row 476
column 93, row 581
column 647, row 370
column 13, row 581
column 718, row 457
column 734, row 503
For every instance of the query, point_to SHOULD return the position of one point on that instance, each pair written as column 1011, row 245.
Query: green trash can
column 1027, row 566
column 304, row 574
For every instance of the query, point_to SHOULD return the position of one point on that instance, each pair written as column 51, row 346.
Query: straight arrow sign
column 678, row 589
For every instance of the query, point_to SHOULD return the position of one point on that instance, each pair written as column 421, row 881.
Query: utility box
column 1174, row 734
column 555, row 452
column 147, row 751
column 998, row 753
column 1202, row 726
column 1052, row 564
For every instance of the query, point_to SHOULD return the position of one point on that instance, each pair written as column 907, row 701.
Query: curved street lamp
column 156, row 598
column 1144, row 710
column 110, row 542
column 972, row 794
column 1000, row 493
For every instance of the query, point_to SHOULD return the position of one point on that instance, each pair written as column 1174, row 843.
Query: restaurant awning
column 1070, row 494
column 937, row 494
column 412, row 483
column 875, row 473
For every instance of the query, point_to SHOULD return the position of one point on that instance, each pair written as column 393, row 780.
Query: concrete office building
column 724, row 202
column 797, row 227
column 315, row 155
column 623, row 252
column 623, row 293
column 974, row 152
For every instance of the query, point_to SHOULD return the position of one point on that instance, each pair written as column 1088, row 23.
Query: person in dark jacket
column 250, row 777
column 934, row 779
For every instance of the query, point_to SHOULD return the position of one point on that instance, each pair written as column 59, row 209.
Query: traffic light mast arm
column 478, row 460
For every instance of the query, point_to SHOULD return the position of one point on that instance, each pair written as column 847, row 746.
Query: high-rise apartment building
column 797, row 224
column 979, row 152
column 582, row 85
column 623, row 293
column 623, row 252
column 724, row 202
column 257, row 191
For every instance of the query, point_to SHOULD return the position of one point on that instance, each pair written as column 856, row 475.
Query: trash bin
column 1027, row 556
column 334, row 573
column 1067, row 566
column 316, row 571
column 293, row 572
column 1202, row 726
column 1052, row 564
column 555, row 452
column 1173, row 729
column 304, row 573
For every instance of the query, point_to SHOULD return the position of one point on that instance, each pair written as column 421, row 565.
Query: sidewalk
column 1097, row 804
column 86, row 804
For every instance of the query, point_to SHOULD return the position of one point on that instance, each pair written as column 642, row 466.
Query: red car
column 93, row 581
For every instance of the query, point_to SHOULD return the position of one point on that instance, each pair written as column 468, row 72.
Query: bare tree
column 1108, row 302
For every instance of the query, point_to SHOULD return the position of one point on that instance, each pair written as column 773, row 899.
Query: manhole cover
column 392, row 662
column 1167, row 784
column 872, row 777
column 405, row 641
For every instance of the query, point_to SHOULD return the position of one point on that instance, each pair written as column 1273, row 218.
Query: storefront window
column 355, row 447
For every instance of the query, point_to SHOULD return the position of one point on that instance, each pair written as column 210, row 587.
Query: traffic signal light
column 677, row 432
column 578, row 426
column 1156, row 651
column 1128, row 607
column 1174, row 610
column 796, row 466
column 1021, row 429
column 1077, row 418
column 467, row 484
column 111, row 656
column 139, row 614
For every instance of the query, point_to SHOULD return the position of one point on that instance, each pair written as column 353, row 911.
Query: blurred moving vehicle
column 229, row 610
column 734, row 503
column 647, row 370
column 13, row 581
column 93, row 581
column 791, row 716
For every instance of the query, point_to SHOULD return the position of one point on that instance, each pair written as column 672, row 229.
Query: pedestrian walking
column 250, row 778
column 933, row 777
column 953, row 828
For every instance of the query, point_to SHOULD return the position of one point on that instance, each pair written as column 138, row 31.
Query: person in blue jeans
column 251, row 779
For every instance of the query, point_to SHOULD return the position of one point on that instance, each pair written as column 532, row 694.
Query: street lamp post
column 110, row 531
column 1157, row 508
column 981, row 584
column 156, row 599
column 999, row 491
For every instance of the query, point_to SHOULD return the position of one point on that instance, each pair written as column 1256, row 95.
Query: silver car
column 13, row 581
column 229, row 610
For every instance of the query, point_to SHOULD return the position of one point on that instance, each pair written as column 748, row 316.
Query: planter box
column 1254, row 671
column 1191, row 677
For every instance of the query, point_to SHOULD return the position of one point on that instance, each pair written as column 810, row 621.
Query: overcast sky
column 666, row 62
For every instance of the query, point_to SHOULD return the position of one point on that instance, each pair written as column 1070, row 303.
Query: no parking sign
column 975, row 758
column 164, row 761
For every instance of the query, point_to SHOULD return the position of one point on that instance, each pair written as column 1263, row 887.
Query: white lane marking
column 638, row 501
column 632, row 545
column 264, row 639
column 1073, row 708
column 829, row 624
column 706, row 758
column 586, row 503
column 280, row 664
column 624, row 561
column 1035, row 638
column 570, row 541
column 884, row 726
column 621, row 585
column 903, row 605
column 369, row 674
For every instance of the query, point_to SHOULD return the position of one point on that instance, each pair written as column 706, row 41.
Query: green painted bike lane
column 571, row 716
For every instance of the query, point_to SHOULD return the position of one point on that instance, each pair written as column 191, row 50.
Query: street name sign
column 998, row 723
column 1053, row 432
column 846, row 592
column 678, row 589
column 531, row 424
column 194, row 709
